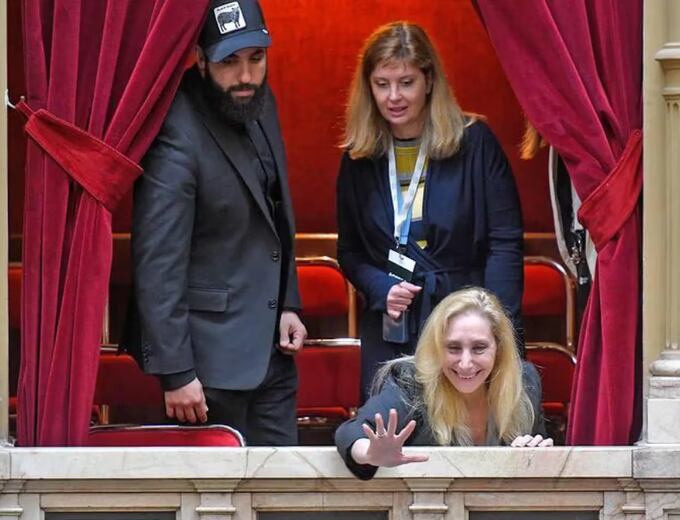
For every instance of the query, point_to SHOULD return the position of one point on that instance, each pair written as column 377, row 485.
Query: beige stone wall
column 237, row 483
column 661, row 248
column 654, row 165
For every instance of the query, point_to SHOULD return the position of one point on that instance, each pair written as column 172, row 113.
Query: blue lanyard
column 403, row 209
column 406, row 224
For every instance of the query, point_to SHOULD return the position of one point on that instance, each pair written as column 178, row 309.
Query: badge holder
column 395, row 331
column 401, row 267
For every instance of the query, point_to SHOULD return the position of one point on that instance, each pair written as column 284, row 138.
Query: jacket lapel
column 270, row 127
column 382, row 181
column 231, row 144
column 272, row 132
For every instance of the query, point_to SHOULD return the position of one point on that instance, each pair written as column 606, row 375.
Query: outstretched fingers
column 403, row 435
column 380, row 430
column 392, row 422
column 385, row 445
column 370, row 434
column 406, row 432
column 416, row 457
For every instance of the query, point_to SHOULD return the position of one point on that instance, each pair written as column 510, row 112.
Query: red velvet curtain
column 576, row 68
column 100, row 76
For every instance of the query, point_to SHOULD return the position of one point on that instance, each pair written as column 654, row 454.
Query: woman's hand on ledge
column 532, row 441
column 383, row 447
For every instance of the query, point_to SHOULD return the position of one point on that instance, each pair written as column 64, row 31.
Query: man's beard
column 231, row 110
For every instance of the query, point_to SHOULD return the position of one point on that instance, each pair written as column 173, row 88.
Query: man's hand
column 400, row 297
column 292, row 333
column 187, row 403
column 383, row 447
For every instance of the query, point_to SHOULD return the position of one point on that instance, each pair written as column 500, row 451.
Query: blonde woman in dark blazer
column 466, row 385
column 465, row 220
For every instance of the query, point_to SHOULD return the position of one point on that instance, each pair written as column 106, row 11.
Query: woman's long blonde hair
column 509, row 406
column 367, row 134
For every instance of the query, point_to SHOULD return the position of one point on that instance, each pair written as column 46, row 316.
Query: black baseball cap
column 233, row 25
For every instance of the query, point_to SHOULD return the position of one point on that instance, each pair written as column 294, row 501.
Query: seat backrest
column 325, row 292
column 120, row 382
column 556, row 366
column 549, row 292
column 329, row 374
column 164, row 435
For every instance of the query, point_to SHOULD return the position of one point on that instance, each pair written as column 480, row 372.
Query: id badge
column 400, row 266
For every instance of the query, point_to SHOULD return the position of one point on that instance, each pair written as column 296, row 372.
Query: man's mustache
column 242, row 87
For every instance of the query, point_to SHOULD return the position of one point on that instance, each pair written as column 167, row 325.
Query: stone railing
column 251, row 483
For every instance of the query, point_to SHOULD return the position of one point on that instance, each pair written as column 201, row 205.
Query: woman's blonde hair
column 509, row 406
column 367, row 134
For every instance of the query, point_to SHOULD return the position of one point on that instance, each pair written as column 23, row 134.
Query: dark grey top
column 401, row 392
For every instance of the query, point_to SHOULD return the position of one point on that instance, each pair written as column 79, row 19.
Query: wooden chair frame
column 570, row 298
column 352, row 318
column 549, row 345
column 559, row 420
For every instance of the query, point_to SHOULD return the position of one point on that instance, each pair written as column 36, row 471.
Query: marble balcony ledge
column 314, row 463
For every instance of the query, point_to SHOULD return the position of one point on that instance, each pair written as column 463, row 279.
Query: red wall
column 312, row 60
column 311, row 63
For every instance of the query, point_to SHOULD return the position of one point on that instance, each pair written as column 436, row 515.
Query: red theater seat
column 164, row 435
column 328, row 373
column 549, row 297
column 556, row 366
column 123, row 386
column 328, row 367
column 325, row 292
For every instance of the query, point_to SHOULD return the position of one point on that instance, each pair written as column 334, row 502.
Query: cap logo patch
column 229, row 17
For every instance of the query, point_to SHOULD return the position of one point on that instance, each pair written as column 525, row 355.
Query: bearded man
column 214, row 268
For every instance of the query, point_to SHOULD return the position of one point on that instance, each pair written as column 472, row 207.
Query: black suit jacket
column 212, row 267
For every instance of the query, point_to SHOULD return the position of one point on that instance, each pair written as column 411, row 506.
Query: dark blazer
column 401, row 392
column 212, row 267
column 472, row 221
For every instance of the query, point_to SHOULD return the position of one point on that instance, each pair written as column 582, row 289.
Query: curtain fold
column 109, row 68
column 576, row 69
column 106, row 174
